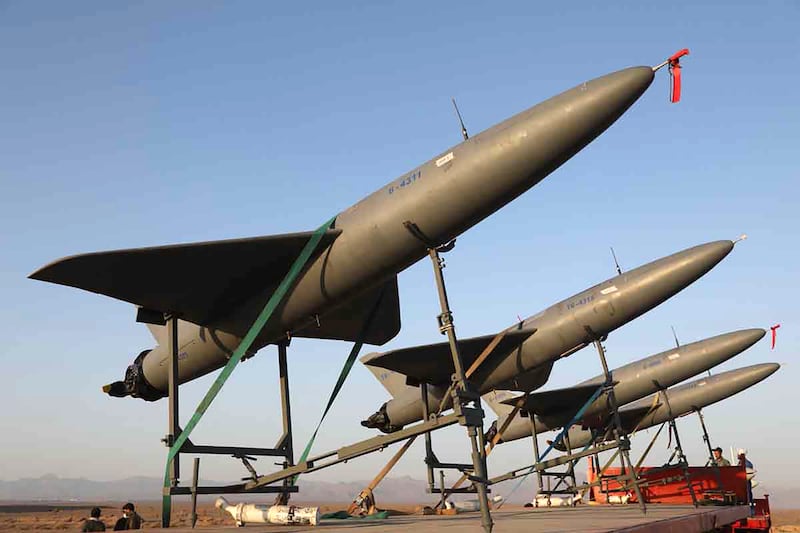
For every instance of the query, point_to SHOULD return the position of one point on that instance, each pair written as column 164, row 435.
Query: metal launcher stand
column 644, row 482
column 282, row 449
column 683, row 463
column 623, row 444
column 566, row 477
column 466, row 412
column 710, row 461
column 364, row 503
column 465, row 398
column 620, row 443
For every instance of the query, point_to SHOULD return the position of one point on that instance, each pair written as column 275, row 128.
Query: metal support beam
column 195, row 480
column 429, row 457
column 707, row 440
column 192, row 448
column 229, row 489
column 623, row 444
column 569, row 474
column 649, row 447
column 489, row 447
column 352, row 451
column 536, row 456
column 463, row 391
column 541, row 466
column 678, row 447
column 173, row 423
column 366, row 494
column 550, row 463
column 285, row 443
column 174, row 415
column 463, row 395
column 284, row 447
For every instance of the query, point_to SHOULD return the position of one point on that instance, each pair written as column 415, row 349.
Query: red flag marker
column 774, row 330
column 675, row 74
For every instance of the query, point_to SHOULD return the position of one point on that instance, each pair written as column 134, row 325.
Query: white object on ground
column 615, row 498
column 467, row 506
column 553, row 501
column 244, row 513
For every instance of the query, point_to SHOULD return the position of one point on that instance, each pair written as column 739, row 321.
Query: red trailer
column 668, row 485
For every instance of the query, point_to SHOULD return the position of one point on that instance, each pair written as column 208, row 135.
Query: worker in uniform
column 718, row 459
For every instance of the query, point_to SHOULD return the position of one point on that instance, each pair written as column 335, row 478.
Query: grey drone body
column 683, row 400
column 551, row 334
column 554, row 409
column 221, row 286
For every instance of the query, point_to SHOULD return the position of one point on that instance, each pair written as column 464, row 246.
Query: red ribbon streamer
column 675, row 74
column 774, row 330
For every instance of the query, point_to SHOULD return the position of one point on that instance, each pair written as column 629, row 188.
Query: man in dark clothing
column 93, row 523
column 130, row 519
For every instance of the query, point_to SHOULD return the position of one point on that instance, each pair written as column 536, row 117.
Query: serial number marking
column 445, row 159
column 181, row 356
column 404, row 181
column 583, row 301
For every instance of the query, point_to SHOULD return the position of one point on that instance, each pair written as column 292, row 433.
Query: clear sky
column 136, row 124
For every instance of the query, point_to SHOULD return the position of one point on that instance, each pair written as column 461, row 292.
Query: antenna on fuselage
column 460, row 120
column 616, row 263
column 675, row 336
column 678, row 344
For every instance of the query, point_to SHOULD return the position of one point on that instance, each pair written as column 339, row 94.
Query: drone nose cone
column 715, row 350
column 748, row 337
column 691, row 264
column 713, row 252
column 743, row 378
column 736, row 342
column 618, row 90
column 570, row 120
column 763, row 371
column 644, row 287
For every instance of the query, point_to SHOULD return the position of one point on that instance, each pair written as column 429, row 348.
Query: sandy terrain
column 70, row 516
column 786, row 520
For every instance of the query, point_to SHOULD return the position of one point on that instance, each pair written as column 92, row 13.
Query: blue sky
column 140, row 124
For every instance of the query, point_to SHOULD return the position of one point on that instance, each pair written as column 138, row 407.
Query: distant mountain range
column 391, row 490
column 54, row 488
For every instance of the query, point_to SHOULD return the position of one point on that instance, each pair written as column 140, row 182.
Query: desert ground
column 19, row 516
column 786, row 520
column 70, row 516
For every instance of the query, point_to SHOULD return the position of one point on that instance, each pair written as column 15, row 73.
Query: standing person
column 750, row 472
column 130, row 519
column 93, row 523
column 718, row 459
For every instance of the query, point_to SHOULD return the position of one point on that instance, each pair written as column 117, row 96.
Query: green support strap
column 276, row 298
column 348, row 364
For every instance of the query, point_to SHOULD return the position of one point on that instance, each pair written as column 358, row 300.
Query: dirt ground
column 70, row 516
column 786, row 520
